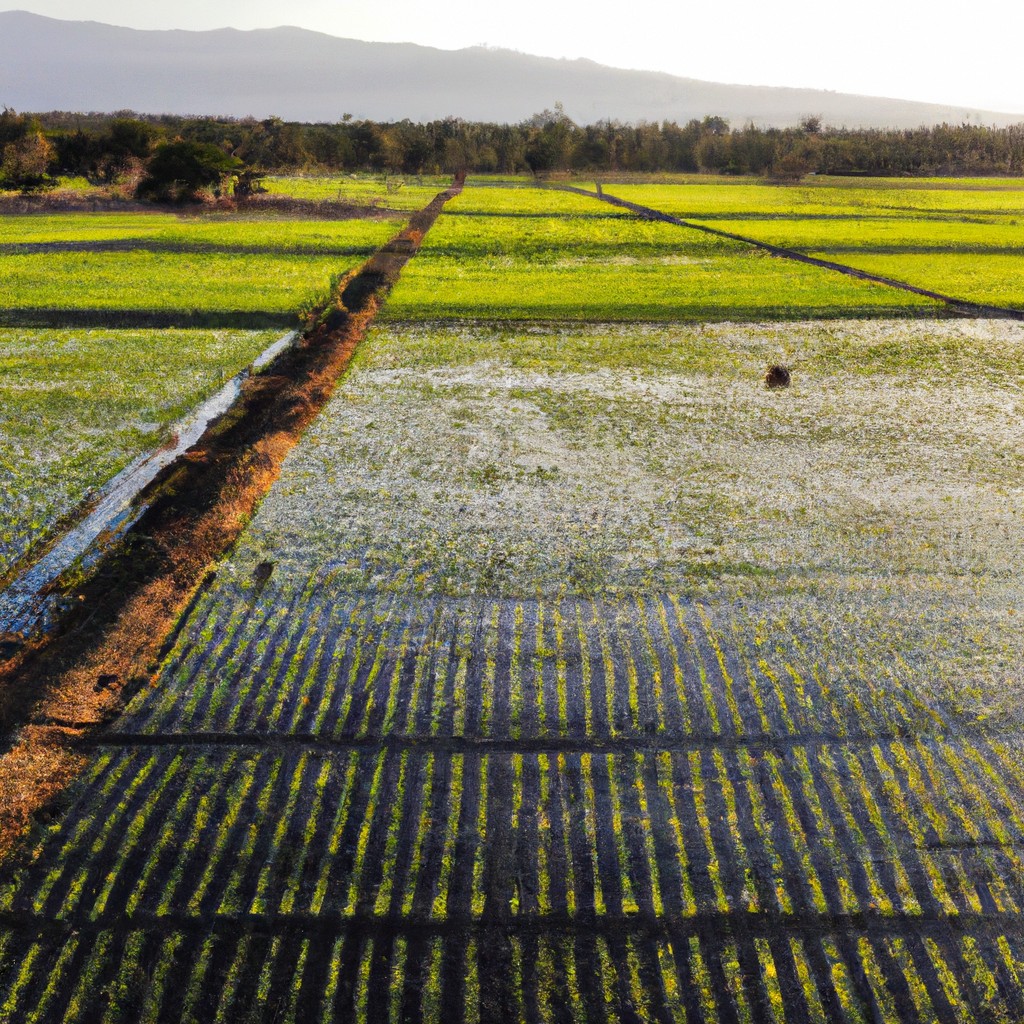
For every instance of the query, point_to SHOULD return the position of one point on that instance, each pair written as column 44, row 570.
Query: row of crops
column 262, row 975
column 895, row 831
column 328, row 808
column 654, row 668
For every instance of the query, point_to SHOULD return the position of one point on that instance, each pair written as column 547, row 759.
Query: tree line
column 148, row 151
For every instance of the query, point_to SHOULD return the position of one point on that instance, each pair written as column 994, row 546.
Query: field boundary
column 961, row 307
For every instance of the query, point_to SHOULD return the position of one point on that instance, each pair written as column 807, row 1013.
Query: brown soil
column 58, row 688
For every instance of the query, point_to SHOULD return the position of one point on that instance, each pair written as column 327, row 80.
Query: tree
column 180, row 171
column 25, row 153
column 26, row 162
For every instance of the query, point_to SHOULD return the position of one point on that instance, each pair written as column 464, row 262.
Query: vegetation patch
column 566, row 672
column 558, row 258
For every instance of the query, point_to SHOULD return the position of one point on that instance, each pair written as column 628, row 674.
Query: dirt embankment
column 58, row 688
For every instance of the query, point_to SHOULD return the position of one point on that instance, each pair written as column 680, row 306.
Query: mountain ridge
column 303, row 75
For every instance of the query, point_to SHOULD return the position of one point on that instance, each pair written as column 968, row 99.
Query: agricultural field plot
column 965, row 243
column 829, row 198
column 567, row 673
column 117, row 269
column 109, row 396
column 521, row 254
column 212, row 232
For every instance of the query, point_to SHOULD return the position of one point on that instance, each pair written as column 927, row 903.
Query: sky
column 942, row 51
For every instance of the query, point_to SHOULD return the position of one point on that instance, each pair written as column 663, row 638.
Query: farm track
column 347, row 806
column 959, row 307
column 54, row 688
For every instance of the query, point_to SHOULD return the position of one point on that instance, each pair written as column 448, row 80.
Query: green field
column 77, row 406
column 541, row 254
column 966, row 243
column 386, row 192
column 884, row 199
column 568, row 673
column 261, row 272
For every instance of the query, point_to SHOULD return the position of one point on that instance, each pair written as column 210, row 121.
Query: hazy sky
column 944, row 51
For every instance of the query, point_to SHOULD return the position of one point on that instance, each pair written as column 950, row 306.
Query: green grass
column 891, row 234
column 760, row 200
column 965, row 243
column 987, row 278
column 186, row 283
column 76, row 406
column 271, row 268
column 603, row 265
column 524, row 198
column 271, row 232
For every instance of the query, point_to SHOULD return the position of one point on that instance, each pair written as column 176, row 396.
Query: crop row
column 655, row 667
column 899, row 830
column 596, row 976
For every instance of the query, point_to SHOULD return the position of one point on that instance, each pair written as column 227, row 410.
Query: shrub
column 181, row 171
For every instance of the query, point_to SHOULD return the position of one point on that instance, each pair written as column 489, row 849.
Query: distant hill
column 46, row 64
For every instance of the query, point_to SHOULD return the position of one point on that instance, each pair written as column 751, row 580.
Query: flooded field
column 567, row 672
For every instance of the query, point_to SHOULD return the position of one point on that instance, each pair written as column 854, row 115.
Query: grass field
column 388, row 192
column 809, row 199
column 77, row 406
column 567, row 673
column 521, row 254
column 134, row 264
column 966, row 243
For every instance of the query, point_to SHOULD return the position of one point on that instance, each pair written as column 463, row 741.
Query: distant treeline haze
column 100, row 146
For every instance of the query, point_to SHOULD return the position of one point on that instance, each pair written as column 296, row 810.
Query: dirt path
column 57, row 688
column 962, row 307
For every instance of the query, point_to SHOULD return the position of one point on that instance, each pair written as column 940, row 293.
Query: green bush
column 181, row 171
